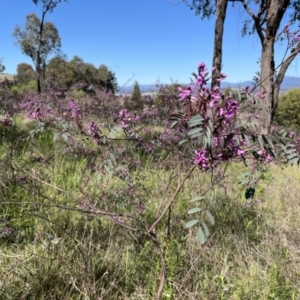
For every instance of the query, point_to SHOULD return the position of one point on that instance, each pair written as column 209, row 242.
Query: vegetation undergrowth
column 111, row 203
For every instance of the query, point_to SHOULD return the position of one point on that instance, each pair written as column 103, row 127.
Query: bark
column 218, row 41
column 267, row 84
column 46, row 9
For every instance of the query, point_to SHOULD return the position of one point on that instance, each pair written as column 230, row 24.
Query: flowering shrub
column 214, row 122
column 201, row 129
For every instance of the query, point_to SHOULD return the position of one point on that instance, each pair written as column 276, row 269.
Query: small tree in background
column 136, row 98
column 288, row 111
column 2, row 68
column 38, row 43
column 25, row 74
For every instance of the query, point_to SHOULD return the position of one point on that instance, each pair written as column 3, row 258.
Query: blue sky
column 143, row 40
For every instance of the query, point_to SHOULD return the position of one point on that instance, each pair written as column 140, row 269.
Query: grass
column 61, row 249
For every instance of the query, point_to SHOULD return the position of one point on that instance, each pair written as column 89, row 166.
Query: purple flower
column 240, row 152
column 201, row 160
column 220, row 111
column 221, row 77
column 201, row 66
column 93, row 129
column 214, row 102
column 183, row 94
column 231, row 109
column 5, row 122
column 199, row 80
column 216, row 96
column 260, row 152
column 261, row 94
column 76, row 111
column 123, row 113
column 245, row 90
column 123, row 125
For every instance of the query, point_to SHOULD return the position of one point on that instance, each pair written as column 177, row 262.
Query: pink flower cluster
column 126, row 119
column 76, row 112
column 201, row 159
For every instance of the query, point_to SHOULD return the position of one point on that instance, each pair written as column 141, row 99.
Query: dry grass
column 8, row 76
column 252, row 253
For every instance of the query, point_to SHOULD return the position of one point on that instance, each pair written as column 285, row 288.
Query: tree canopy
column 67, row 73
column 25, row 74
column 36, row 45
column 265, row 18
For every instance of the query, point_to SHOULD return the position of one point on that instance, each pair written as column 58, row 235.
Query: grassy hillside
column 57, row 242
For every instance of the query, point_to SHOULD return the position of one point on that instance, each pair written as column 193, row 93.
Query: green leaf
column 212, row 204
column 201, row 236
column 55, row 136
column 243, row 175
column 197, row 198
column 55, row 241
column 199, row 139
column 107, row 169
column 174, row 124
column 246, row 138
column 206, row 231
column 243, row 182
column 182, row 142
column 112, row 157
column 198, row 134
column 194, row 210
column 289, row 151
column 196, row 118
column 98, row 178
column 294, row 161
column 191, row 223
column 195, row 130
column 210, row 217
column 270, row 143
column 290, row 156
column 209, row 137
column 211, row 125
column 261, row 142
column 65, row 136
column 109, row 163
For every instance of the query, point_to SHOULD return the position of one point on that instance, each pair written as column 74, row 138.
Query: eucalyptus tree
column 265, row 18
column 39, row 38
column 207, row 8
column 25, row 74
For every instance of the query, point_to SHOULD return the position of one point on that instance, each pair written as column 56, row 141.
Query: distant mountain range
column 289, row 82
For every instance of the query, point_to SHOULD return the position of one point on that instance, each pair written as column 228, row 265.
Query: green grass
column 63, row 249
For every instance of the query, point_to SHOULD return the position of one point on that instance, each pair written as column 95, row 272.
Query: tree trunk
column 267, row 84
column 38, row 54
column 219, row 29
column 38, row 78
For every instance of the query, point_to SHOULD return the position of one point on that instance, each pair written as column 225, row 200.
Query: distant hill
column 8, row 76
column 145, row 88
column 288, row 83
